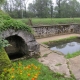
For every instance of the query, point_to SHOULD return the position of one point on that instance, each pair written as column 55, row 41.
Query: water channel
column 69, row 47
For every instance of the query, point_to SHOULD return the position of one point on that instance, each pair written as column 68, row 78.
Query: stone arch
column 23, row 43
column 17, row 47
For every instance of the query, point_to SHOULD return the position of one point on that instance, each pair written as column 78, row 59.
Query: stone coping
column 34, row 26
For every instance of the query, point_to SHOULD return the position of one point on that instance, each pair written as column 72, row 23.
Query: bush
column 14, row 24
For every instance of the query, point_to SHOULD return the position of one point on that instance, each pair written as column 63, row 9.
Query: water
column 67, row 48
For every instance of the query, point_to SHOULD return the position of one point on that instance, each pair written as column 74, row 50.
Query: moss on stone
column 6, row 22
column 4, row 60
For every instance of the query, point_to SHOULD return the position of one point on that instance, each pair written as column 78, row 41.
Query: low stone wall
column 52, row 30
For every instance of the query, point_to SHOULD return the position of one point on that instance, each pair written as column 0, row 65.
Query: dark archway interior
column 16, row 48
column 15, row 56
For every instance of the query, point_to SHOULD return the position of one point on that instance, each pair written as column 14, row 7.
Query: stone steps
column 52, row 59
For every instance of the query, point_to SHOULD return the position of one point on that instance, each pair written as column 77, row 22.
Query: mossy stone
column 4, row 60
column 6, row 22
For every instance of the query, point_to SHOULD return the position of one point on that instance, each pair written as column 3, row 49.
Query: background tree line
column 42, row 8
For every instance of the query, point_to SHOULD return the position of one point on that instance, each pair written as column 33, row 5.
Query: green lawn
column 51, row 21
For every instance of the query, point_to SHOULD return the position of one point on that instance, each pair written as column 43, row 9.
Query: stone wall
column 46, row 31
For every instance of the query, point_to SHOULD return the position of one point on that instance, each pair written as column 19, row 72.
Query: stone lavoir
column 22, row 43
column 52, row 30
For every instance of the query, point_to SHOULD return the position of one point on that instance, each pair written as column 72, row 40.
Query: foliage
column 42, row 8
column 67, row 8
column 8, row 23
column 21, row 72
column 14, row 24
column 3, row 43
column 17, row 8
column 45, row 72
column 4, row 60
column 71, row 55
column 1, row 2
column 4, row 15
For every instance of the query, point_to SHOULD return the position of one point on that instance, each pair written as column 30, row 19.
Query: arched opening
column 17, row 47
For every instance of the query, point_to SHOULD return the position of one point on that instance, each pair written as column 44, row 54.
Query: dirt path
column 55, row 38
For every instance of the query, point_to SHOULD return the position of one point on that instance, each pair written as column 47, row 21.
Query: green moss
column 14, row 24
column 6, row 22
column 4, row 60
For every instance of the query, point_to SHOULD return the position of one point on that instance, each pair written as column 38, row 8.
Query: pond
column 68, row 47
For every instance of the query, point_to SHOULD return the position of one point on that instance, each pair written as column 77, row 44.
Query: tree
column 31, row 10
column 16, row 8
column 67, row 8
column 42, row 8
column 59, row 7
column 74, row 7
column 1, row 2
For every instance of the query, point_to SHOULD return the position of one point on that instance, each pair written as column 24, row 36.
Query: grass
column 45, row 72
column 72, row 55
column 59, row 64
column 51, row 21
column 60, row 41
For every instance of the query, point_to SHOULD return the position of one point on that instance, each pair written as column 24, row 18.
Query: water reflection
column 68, row 47
column 78, row 43
column 71, row 44
column 61, row 46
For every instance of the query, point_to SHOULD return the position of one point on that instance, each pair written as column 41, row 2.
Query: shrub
column 14, row 24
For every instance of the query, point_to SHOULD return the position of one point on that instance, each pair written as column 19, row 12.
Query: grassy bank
column 72, row 55
column 45, row 73
column 60, row 41
column 51, row 21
